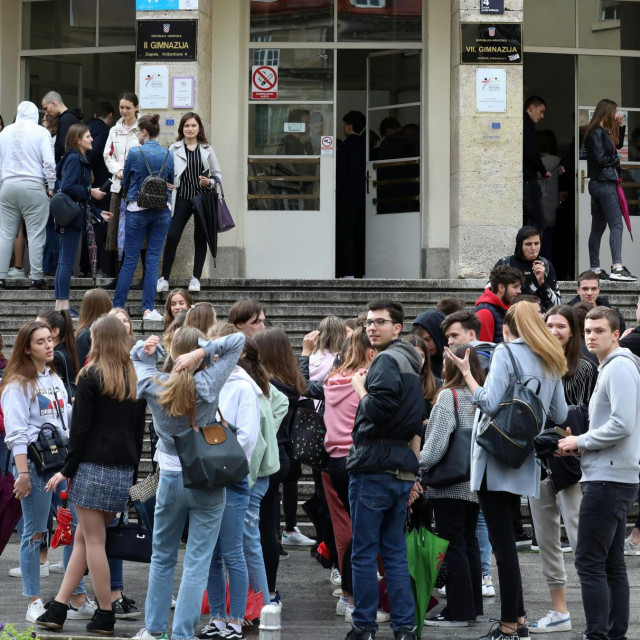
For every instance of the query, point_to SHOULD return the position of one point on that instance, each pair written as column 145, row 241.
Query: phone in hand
column 106, row 187
column 561, row 431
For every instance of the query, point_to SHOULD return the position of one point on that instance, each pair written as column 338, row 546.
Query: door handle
column 368, row 177
column 583, row 177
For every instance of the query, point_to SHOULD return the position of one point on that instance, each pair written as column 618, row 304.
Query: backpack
column 508, row 434
column 153, row 191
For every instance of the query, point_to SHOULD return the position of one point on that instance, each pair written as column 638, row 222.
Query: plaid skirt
column 102, row 487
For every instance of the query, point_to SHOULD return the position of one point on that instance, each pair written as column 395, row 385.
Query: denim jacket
column 135, row 170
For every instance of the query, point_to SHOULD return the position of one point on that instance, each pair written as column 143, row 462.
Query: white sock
column 236, row 627
column 219, row 623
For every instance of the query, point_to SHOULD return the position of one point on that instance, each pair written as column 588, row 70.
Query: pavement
column 308, row 607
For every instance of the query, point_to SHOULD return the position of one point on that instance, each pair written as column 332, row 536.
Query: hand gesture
column 309, row 342
column 461, row 363
column 539, row 270
column 54, row 482
column 151, row 345
column 186, row 361
column 22, row 486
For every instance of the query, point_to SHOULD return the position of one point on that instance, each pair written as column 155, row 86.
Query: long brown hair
column 109, row 356
column 61, row 320
column 95, row 302
column 333, row 332
column 20, row 367
column 202, row 315
column 573, row 348
column 453, row 378
column 168, row 318
column 250, row 362
column 278, row 359
column 179, row 390
column 355, row 355
column 429, row 385
column 74, row 135
column 605, row 111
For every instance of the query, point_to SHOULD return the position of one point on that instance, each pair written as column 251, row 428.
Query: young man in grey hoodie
column 610, row 453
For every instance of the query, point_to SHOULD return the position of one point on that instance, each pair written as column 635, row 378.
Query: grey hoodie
column 611, row 447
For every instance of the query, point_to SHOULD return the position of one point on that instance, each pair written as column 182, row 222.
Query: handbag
column 508, row 434
column 130, row 541
column 49, row 451
column 145, row 489
column 307, row 437
column 455, row 466
column 211, row 456
column 64, row 209
column 225, row 221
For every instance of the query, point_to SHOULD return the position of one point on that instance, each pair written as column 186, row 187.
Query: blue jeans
column 599, row 558
column 153, row 224
column 378, row 512
column 174, row 504
column 251, row 540
column 229, row 549
column 605, row 210
column 66, row 259
column 482, row 533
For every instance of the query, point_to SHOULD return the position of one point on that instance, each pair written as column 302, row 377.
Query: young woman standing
column 195, row 166
column 104, row 447
column 95, row 302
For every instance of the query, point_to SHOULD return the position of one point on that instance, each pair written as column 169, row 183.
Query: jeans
column 605, row 210
column 229, row 549
column 66, row 259
column 251, row 540
column 533, row 211
column 482, row 533
column 181, row 213
column 599, row 558
column 153, row 224
column 378, row 512
column 174, row 504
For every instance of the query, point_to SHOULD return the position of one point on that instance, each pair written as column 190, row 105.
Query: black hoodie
column 431, row 321
column 65, row 120
column 548, row 291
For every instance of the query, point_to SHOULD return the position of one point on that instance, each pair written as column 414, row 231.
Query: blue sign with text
column 491, row 6
column 166, row 5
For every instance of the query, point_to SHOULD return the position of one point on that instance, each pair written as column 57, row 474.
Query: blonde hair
column 524, row 321
column 333, row 332
column 115, row 311
column 179, row 390
column 109, row 357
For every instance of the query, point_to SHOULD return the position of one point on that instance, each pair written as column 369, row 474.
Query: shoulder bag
column 131, row 541
column 211, row 456
column 508, row 434
column 153, row 190
column 307, row 437
column 455, row 466
column 64, row 209
column 49, row 451
column 225, row 221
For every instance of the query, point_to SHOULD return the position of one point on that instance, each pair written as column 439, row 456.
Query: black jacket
column 351, row 169
column 390, row 415
column 632, row 342
column 99, row 132
column 103, row 429
column 65, row 120
column 603, row 161
column 601, row 301
column 531, row 161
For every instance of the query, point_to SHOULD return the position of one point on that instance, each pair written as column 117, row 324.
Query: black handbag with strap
column 131, row 541
column 455, row 465
column 49, row 451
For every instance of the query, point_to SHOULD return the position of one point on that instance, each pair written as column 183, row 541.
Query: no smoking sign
column 264, row 83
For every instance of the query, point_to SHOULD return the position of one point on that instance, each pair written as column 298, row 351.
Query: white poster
column 154, row 87
column 491, row 90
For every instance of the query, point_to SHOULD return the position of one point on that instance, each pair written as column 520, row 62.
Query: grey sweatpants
column 546, row 511
column 24, row 200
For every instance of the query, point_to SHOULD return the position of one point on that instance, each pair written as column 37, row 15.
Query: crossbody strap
column 55, row 395
column 454, row 393
column 516, row 371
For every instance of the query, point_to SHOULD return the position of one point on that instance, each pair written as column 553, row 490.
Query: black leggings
column 290, row 495
column 181, row 214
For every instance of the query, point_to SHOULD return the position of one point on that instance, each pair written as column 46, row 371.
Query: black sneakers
column 621, row 274
column 55, row 615
column 124, row 608
column 496, row 633
column 39, row 285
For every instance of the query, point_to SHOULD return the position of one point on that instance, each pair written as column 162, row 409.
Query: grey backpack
column 153, row 191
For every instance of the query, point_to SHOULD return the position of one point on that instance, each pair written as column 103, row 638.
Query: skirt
column 102, row 487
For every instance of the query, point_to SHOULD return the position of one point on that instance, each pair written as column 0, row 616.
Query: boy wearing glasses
column 382, row 466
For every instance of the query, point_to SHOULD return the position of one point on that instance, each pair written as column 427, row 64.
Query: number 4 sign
column 264, row 83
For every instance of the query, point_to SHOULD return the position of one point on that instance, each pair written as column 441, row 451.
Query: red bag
column 255, row 602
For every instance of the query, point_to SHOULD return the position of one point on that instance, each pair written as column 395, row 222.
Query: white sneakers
column 194, row 284
column 296, row 538
column 44, row 571
column 35, row 610
column 381, row 616
column 16, row 272
column 553, row 621
column 488, row 590
column 162, row 285
column 84, row 612
column 152, row 316
column 56, row 567
column 631, row 548
column 335, row 578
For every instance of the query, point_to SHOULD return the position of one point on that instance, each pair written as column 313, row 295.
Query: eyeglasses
column 379, row 322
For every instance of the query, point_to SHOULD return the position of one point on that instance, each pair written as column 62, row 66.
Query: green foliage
column 9, row 632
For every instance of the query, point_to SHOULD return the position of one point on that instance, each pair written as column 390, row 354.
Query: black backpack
column 508, row 434
column 153, row 191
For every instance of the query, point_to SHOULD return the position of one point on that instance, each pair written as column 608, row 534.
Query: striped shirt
column 579, row 387
column 189, row 179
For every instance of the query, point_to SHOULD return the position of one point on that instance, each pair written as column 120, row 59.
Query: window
column 379, row 4
column 608, row 10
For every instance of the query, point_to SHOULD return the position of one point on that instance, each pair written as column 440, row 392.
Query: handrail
column 396, row 163
column 283, row 178
column 287, row 159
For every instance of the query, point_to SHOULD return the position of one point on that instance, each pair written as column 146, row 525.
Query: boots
column 55, row 615
column 102, row 622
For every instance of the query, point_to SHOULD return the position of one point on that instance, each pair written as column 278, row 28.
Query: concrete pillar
column 486, row 173
column 10, row 34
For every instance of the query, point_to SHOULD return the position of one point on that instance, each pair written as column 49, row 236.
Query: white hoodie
column 239, row 404
column 26, row 152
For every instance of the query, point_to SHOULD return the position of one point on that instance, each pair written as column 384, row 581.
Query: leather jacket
column 603, row 161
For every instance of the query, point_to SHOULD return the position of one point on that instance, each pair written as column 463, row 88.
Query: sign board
column 326, row 146
column 264, row 83
column 183, row 92
column 492, row 6
column 173, row 40
column 154, row 87
column 491, row 43
column 166, row 5
column 491, row 90
column 295, row 127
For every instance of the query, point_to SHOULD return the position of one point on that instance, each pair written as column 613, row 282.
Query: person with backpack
column 148, row 171
column 540, row 360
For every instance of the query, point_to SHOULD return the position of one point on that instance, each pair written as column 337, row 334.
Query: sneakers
column 145, row 634
column 381, row 616
column 84, row 612
column 523, row 632
column 441, row 621
column 211, row 630
column 229, row 633
column 194, row 285
column 276, row 599
column 405, row 634
column 16, row 272
column 522, row 541
column 124, row 608
column 361, row 634
column 39, row 285
column 621, row 273
column 162, row 285
column 35, row 610
column 553, row 621
column 341, row 606
column 488, row 590
column 152, row 316
column 534, row 545
column 335, row 578
column 296, row 538
column 565, row 546
column 54, row 616
column 497, row 634
column 44, row 571
column 602, row 274
column 102, row 623
column 336, row 593
column 630, row 548
column 56, row 567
